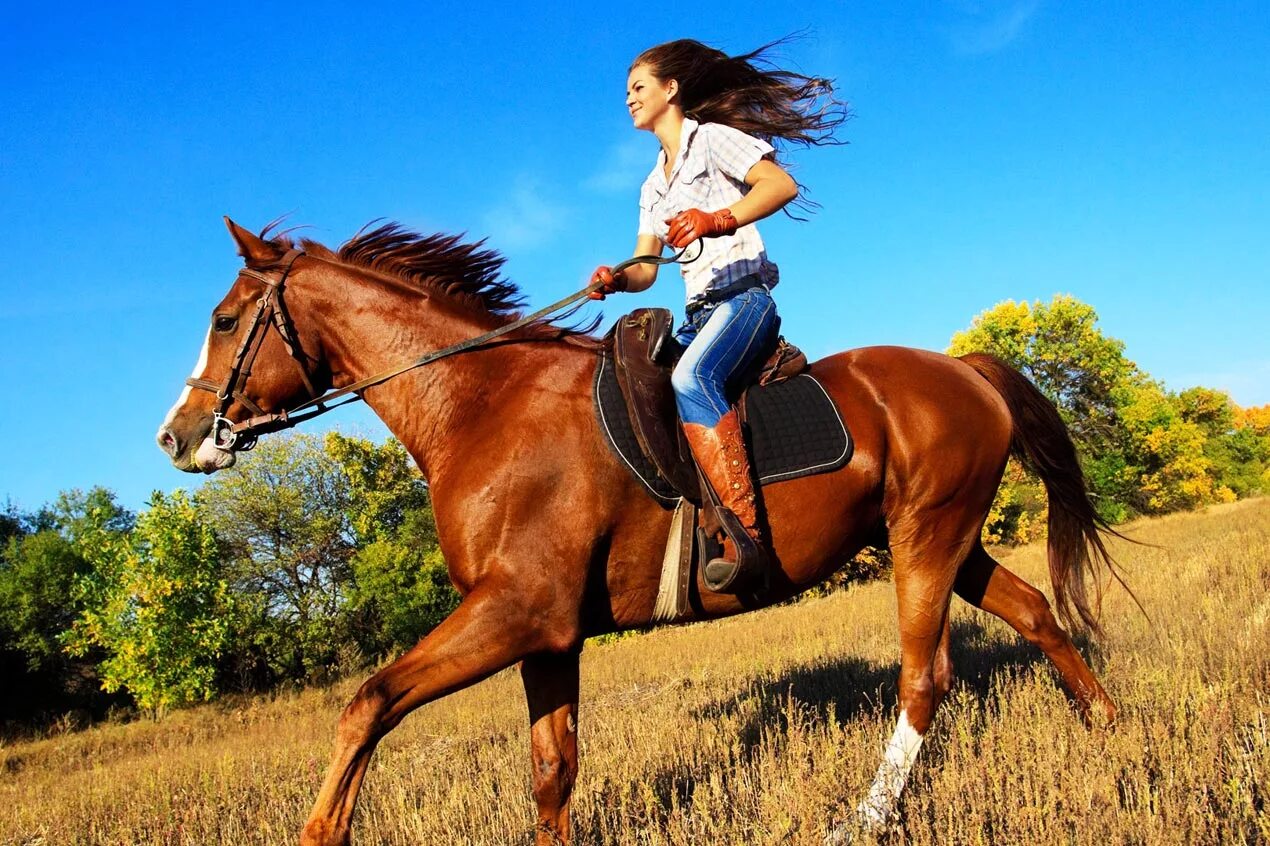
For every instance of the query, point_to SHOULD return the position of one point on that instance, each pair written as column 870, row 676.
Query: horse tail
column 1041, row 442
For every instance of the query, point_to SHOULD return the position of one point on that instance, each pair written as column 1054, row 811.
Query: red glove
column 688, row 226
column 613, row 282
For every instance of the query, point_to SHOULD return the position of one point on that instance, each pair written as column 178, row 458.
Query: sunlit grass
column 758, row 729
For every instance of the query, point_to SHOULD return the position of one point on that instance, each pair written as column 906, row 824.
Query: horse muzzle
column 215, row 450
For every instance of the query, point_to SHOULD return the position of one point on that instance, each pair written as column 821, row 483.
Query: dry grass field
column 759, row 729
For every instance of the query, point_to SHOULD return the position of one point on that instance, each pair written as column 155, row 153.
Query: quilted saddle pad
column 795, row 430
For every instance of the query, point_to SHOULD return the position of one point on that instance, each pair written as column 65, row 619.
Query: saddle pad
column 794, row 430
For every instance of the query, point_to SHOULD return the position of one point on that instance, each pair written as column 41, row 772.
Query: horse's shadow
column 842, row 689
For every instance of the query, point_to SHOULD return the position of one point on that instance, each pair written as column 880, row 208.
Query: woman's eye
column 224, row 323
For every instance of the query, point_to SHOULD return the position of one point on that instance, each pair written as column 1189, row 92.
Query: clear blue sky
column 1000, row 150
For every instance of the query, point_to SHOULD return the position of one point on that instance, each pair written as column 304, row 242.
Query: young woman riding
column 716, row 117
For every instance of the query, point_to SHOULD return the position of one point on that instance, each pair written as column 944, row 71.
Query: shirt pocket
column 691, row 187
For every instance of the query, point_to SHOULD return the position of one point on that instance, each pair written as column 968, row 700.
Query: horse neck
column 369, row 326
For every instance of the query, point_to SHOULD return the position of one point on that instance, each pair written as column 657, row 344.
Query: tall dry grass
column 758, row 729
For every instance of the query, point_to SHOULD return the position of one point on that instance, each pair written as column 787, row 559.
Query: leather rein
column 271, row 308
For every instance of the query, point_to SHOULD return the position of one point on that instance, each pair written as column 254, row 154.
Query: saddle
column 792, row 429
column 644, row 354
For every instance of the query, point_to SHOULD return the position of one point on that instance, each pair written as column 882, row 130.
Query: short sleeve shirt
column 709, row 174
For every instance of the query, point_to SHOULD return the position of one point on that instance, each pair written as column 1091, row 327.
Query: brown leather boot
column 720, row 453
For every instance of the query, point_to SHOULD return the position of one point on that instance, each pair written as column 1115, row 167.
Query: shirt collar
column 686, row 133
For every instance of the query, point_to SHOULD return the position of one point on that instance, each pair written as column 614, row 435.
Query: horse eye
column 223, row 323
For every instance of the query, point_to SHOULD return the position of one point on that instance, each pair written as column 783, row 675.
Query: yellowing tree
column 1143, row 449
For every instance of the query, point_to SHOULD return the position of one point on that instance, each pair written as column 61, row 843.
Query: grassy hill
column 758, row 729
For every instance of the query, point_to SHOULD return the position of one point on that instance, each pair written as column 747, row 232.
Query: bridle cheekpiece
column 271, row 308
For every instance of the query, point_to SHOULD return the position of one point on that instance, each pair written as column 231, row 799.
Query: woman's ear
column 672, row 91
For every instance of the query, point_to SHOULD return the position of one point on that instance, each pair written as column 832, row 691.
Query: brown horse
column 550, row 541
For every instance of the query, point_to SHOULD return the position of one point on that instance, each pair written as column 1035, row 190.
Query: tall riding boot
column 720, row 453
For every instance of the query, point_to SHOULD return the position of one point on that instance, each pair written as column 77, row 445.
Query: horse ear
column 252, row 248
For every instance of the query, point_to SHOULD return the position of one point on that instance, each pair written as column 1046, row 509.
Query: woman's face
column 647, row 97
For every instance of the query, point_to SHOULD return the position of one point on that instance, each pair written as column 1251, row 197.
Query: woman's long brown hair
column 750, row 93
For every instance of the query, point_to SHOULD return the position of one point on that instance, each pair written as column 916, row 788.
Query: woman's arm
column 637, row 277
column 640, row 277
column 770, row 189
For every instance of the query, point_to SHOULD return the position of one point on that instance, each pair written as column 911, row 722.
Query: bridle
column 271, row 309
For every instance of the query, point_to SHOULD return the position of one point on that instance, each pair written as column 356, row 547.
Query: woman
column 716, row 116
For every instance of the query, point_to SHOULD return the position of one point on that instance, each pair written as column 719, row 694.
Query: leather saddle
column 644, row 354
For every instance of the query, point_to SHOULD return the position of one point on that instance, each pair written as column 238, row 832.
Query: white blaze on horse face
column 196, row 374
column 901, row 752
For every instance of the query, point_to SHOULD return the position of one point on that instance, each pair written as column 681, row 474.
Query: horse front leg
column 490, row 630
column 551, row 689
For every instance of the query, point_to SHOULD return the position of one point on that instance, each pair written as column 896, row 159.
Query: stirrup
column 750, row 572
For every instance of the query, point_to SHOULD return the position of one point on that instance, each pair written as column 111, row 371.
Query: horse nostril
column 167, row 441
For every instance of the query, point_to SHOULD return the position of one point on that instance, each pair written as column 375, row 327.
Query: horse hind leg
column 926, row 564
column 984, row 583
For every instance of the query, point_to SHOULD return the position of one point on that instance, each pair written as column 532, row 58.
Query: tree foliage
column 333, row 552
column 1143, row 449
column 155, row 602
column 400, row 588
column 1060, row 348
column 282, row 515
column 42, row 563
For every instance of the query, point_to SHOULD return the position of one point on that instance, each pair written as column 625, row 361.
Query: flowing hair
column 750, row 93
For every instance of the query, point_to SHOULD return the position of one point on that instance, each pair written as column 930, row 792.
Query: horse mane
column 463, row 272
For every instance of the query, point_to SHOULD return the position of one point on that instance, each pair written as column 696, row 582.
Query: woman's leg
column 735, row 333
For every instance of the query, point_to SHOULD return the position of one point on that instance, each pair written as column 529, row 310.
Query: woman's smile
column 647, row 97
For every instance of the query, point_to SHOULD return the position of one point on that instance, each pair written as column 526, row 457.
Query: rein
column 271, row 308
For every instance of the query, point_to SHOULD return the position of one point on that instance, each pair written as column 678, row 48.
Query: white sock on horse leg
column 901, row 752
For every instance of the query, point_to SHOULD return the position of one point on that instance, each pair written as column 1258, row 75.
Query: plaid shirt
column 709, row 174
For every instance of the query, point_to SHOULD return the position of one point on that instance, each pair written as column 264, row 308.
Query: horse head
column 255, row 361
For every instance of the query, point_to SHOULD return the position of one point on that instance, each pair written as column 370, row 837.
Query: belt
column 727, row 292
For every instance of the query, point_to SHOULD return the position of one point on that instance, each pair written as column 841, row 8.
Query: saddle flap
column 644, row 353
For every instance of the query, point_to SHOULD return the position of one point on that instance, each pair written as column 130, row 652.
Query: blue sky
column 1000, row 150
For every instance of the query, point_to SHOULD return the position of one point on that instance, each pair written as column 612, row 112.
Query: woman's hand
column 612, row 282
column 688, row 226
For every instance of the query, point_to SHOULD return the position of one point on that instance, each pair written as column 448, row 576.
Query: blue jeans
column 723, row 340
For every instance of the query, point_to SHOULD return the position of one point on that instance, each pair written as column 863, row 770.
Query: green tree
column 41, row 563
column 401, row 588
column 37, row 595
column 282, row 514
column 40, row 569
column 1164, row 451
column 156, row 604
column 12, row 523
column 384, row 487
column 1059, row 346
